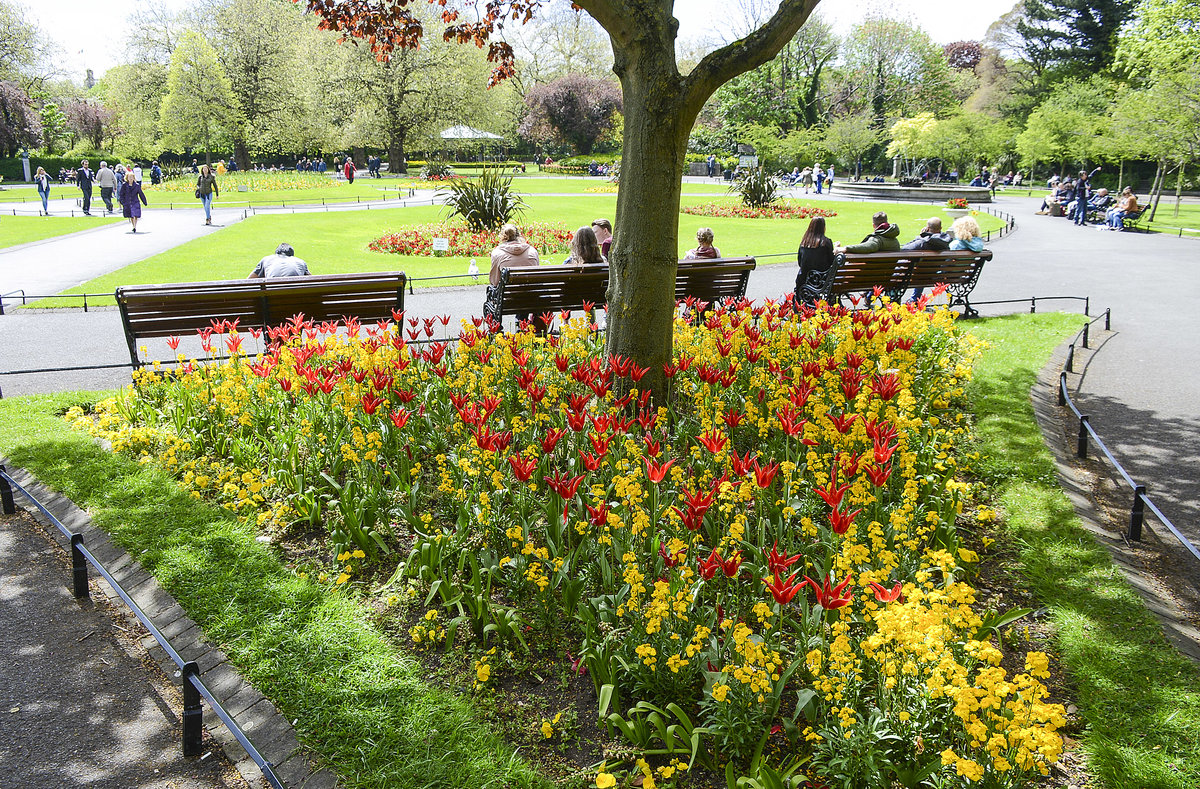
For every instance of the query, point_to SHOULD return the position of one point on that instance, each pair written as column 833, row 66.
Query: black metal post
column 1108, row 319
column 1081, row 447
column 79, row 568
column 1087, row 306
column 1033, row 305
column 193, row 715
column 1086, row 326
column 1062, row 388
column 6, row 497
column 1138, row 513
column 1070, row 366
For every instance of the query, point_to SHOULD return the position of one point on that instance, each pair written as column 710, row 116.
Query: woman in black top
column 816, row 258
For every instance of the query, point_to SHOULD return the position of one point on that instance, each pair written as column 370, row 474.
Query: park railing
column 1087, row 434
column 194, row 689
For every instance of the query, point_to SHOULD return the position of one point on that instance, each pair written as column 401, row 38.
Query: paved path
column 77, row 706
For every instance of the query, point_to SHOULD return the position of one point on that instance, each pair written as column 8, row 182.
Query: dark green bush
column 758, row 188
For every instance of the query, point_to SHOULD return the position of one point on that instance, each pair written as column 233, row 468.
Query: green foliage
column 436, row 170
column 485, row 203
column 1072, row 38
column 1164, row 38
column 758, row 189
column 892, row 67
column 1068, row 125
column 54, row 126
column 848, row 137
column 199, row 108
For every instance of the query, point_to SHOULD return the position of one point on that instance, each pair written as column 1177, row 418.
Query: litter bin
column 729, row 175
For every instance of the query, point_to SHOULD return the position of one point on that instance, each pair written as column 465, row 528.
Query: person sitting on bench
column 1126, row 205
column 933, row 238
column 283, row 263
column 704, row 246
column 882, row 239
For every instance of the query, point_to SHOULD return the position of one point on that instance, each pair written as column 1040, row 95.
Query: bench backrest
column 906, row 269
column 183, row 308
column 538, row 289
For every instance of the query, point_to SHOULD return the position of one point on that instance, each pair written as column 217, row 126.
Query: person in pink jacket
column 512, row 252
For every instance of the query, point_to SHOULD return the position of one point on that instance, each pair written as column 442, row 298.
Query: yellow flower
column 605, row 780
column 547, row 729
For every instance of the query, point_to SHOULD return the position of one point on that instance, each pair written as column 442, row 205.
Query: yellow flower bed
column 771, row 547
column 253, row 181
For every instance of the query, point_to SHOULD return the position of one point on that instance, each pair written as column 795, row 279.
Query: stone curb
column 1077, row 478
column 270, row 732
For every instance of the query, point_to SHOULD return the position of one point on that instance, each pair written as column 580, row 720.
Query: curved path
column 1140, row 391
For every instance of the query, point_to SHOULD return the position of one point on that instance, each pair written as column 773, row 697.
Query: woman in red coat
column 349, row 170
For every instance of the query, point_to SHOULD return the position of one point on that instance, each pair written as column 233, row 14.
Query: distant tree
column 198, row 108
column 25, row 53
column 54, row 126
column 561, row 41
column 1068, row 127
column 1164, row 38
column 1073, row 37
column 891, row 68
column 90, row 120
column 20, row 125
column 134, row 92
column 574, row 110
column 963, row 54
column 848, row 138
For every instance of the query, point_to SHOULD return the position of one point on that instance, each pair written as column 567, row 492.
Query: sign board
column 747, row 161
column 441, row 245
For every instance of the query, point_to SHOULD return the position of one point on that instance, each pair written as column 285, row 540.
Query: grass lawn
column 23, row 229
column 1139, row 697
column 27, row 195
column 364, row 706
column 336, row 242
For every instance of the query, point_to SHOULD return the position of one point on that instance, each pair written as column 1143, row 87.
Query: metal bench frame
column 898, row 272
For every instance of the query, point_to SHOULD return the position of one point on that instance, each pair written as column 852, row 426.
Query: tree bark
column 1179, row 186
column 241, row 154
column 396, row 153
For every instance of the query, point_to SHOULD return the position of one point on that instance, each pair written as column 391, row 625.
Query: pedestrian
column 43, row 189
column 603, row 230
column 137, row 173
column 818, row 177
column 155, row 174
column 132, row 199
column 829, row 178
column 106, row 179
column 195, row 169
column 83, row 179
column 206, row 189
column 349, row 169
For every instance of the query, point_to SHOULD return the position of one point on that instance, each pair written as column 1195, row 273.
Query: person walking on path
column 206, row 188
column 132, row 199
column 43, row 189
column 106, row 179
column 349, row 169
column 83, row 179
column 819, row 177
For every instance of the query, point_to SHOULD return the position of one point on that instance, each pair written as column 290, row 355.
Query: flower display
column 254, row 181
column 957, row 202
column 548, row 238
column 782, row 209
column 770, row 548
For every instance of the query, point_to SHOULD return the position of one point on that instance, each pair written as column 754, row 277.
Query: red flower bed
column 418, row 239
column 778, row 211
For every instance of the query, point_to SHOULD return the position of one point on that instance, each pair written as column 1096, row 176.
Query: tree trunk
column 396, row 162
column 1179, row 187
column 241, row 154
column 1121, row 176
column 1156, row 189
column 641, row 289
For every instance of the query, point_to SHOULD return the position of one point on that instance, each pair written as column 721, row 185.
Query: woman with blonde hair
column 206, row 189
column 704, row 246
column 42, row 180
column 132, row 199
column 966, row 234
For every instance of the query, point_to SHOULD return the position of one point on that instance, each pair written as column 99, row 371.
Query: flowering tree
column 574, row 109
column 90, row 120
column 19, row 121
column 660, row 107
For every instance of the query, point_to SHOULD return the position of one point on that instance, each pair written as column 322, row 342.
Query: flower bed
column 763, row 571
column 958, row 203
column 253, row 181
column 418, row 239
column 781, row 210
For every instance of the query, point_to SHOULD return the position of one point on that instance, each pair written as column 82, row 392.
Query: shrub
column 485, row 203
column 436, row 171
column 758, row 189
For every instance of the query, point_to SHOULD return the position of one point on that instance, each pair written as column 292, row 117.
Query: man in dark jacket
column 882, row 239
column 83, row 179
column 933, row 238
column 1080, row 196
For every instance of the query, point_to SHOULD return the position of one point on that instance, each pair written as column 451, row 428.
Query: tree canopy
column 198, row 109
column 576, row 110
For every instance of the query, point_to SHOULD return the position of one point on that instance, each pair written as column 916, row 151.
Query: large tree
column 199, row 108
column 20, row 126
column 90, row 120
column 573, row 110
column 134, row 92
column 660, row 106
column 891, row 68
column 1073, row 37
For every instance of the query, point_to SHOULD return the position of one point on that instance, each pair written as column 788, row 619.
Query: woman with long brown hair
column 815, row 257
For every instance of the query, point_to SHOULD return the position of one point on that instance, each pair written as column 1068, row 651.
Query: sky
column 89, row 32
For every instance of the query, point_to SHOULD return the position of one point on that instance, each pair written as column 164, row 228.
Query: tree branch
column 615, row 16
column 722, row 65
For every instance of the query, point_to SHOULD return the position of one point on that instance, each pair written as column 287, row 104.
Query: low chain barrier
column 193, row 686
column 1087, row 434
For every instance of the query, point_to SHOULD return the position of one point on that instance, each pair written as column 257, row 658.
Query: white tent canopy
column 467, row 133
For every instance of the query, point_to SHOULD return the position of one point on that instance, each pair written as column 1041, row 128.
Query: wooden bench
column 898, row 272
column 1133, row 220
column 538, row 289
column 178, row 309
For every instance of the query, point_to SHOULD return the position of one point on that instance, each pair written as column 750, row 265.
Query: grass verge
column 1139, row 696
column 362, row 705
column 336, row 242
column 16, row 230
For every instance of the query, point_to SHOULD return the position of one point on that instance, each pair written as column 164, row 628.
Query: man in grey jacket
column 106, row 179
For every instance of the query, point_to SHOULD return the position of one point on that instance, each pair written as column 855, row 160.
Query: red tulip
column 792, row 421
column 173, row 343
column 598, row 516
column 888, row 595
column 780, row 562
column 879, row 474
column 843, row 422
column 831, row 597
column 840, row 521
column 731, row 565
column 783, row 591
column 551, row 439
column 370, row 402
column 765, row 475
column 832, row 493
column 564, row 486
column 741, row 465
column 708, row 567
column 671, row 559
column 656, row 472
column 522, row 466
column 713, row 440
column 886, row 385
